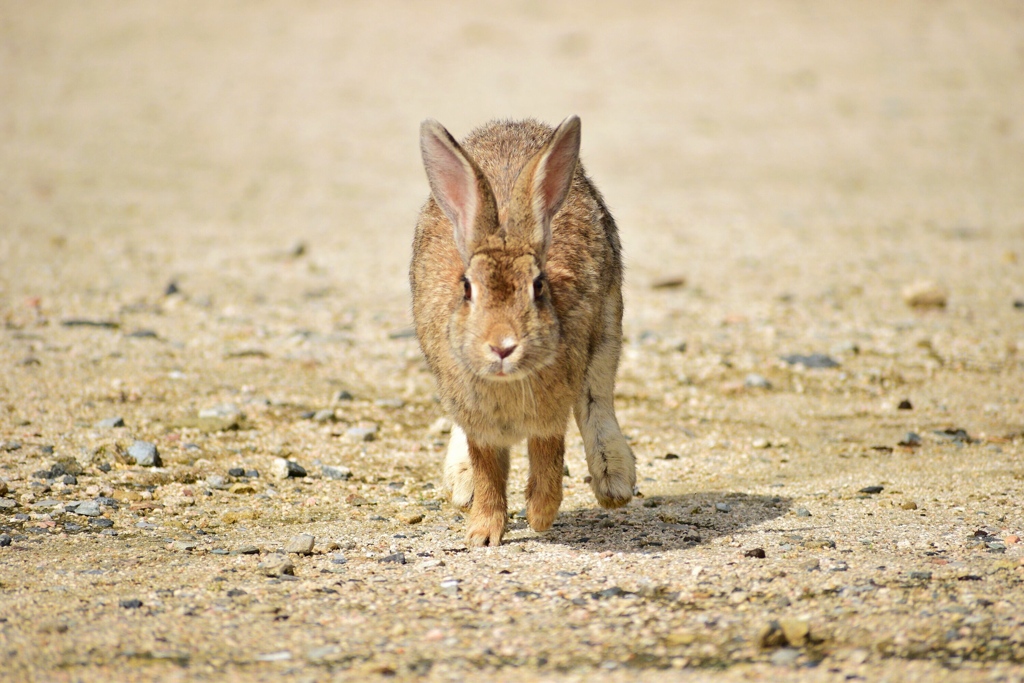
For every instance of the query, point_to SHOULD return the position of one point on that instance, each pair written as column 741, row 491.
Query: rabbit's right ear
column 459, row 187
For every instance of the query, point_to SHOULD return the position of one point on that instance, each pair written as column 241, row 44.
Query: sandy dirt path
column 205, row 219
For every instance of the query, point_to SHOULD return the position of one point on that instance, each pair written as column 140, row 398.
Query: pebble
column 246, row 550
column 216, row 481
column 723, row 507
column 69, row 480
column 803, row 512
column 224, row 410
column 450, row 586
column 756, row 381
column 326, row 415
column 761, row 443
column 132, row 603
column 89, row 508
column 301, row 544
column 925, row 294
column 908, row 505
column 910, row 440
column 343, row 396
column 920, row 576
column 1011, row 539
column 786, row 656
column 410, row 517
column 5, row 540
column 9, row 446
column 8, row 503
column 905, row 404
column 277, row 565
column 284, row 469
column 872, row 489
column 145, row 454
column 359, row 434
column 441, row 425
column 3, row 488
column 183, row 546
column 252, row 474
column 110, row 423
column 809, row 565
column 397, row 558
column 815, row 361
column 757, row 553
column 241, row 488
column 797, row 631
column 337, row 473
column 236, row 472
column 102, row 523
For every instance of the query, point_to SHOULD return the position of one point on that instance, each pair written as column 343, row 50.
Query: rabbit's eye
column 467, row 288
column 538, row 287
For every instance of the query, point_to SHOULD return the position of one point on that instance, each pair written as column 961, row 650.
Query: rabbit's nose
column 505, row 350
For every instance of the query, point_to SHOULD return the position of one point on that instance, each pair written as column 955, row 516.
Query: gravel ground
column 220, row 450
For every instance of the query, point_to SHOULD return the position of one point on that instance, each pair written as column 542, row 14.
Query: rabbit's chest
column 507, row 413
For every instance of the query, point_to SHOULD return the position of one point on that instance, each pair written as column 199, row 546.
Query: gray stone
column 359, row 434
column 284, row 469
column 785, row 656
column 921, row 576
column 723, row 507
column 756, row 381
column 343, row 396
column 396, row 558
column 145, row 454
column 110, row 423
column 301, row 544
column 88, row 508
column 246, row 550
column 326, row 415
column 224, row 410
column 814, row 361
column 803, row 512
column 5, row 540
column 277, row 565
column 216, row 481
column 337, row 473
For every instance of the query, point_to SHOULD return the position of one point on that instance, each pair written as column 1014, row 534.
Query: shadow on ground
column 660, row 523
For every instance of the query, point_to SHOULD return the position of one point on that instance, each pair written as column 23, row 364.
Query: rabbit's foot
column 542, row 510
column 544, row 487
column 458, row 470
column 613, row 473
column 486, row 528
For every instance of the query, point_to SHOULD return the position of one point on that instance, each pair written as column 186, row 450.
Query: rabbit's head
column 503, row 322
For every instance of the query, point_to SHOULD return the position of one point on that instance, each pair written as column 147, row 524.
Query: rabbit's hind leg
column 458, row 470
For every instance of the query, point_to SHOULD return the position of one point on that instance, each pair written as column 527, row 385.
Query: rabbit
column 516, row 282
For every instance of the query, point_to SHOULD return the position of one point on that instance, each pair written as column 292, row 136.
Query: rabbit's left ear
column 545, row 181
column 458, row 186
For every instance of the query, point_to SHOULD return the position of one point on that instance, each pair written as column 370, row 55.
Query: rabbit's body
column 516, row 280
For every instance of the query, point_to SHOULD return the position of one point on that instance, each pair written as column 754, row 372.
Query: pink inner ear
column 454, row 186
column 554, row 176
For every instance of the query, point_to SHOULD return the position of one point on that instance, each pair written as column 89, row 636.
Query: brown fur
column 556, row 337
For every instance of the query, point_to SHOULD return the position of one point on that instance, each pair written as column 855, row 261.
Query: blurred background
column 755, row 149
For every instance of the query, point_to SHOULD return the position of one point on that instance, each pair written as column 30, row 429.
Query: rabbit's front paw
column 486, row 528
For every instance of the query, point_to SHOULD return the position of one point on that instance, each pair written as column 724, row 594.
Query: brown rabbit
column 517, row 296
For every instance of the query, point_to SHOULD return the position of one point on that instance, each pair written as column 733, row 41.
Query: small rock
column 760, row 443
column 756, row 381
column 69, row 480
column 803, row 512
column 284, row 469
column 5, row 540
column 925, row 294
column 910, row 440
column 145, row 454
column 809, row 565
column 872, row 489
column 132, row 603
column 224, row 410
column 786, row 656
column 450, row 586
column 326, row 415
column 343, row 396
column 171, row 289
column 337, row 473
column 796, row 631
column 246, row 550
column 89, row 508
column 815, row 361
column 671, row 282
column 360, row 434
column 441, row 425
column 612, row 592
column 9, row 446
column 242, row 488
column 102, row 523
column 396, row 558
column 216, row 481
column 410, row 517
column 905, row 404
column 1011, row 539
column 8, row 503
column 920, row 576
column 110, row 423
column 3, row 488
column 236, row 472
column 183, row 546
column 723, row 507
column 301, row 544
column 277, row 565
column 757, row 553
column 671, row 456
column 252, row 474
column 908, row 505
